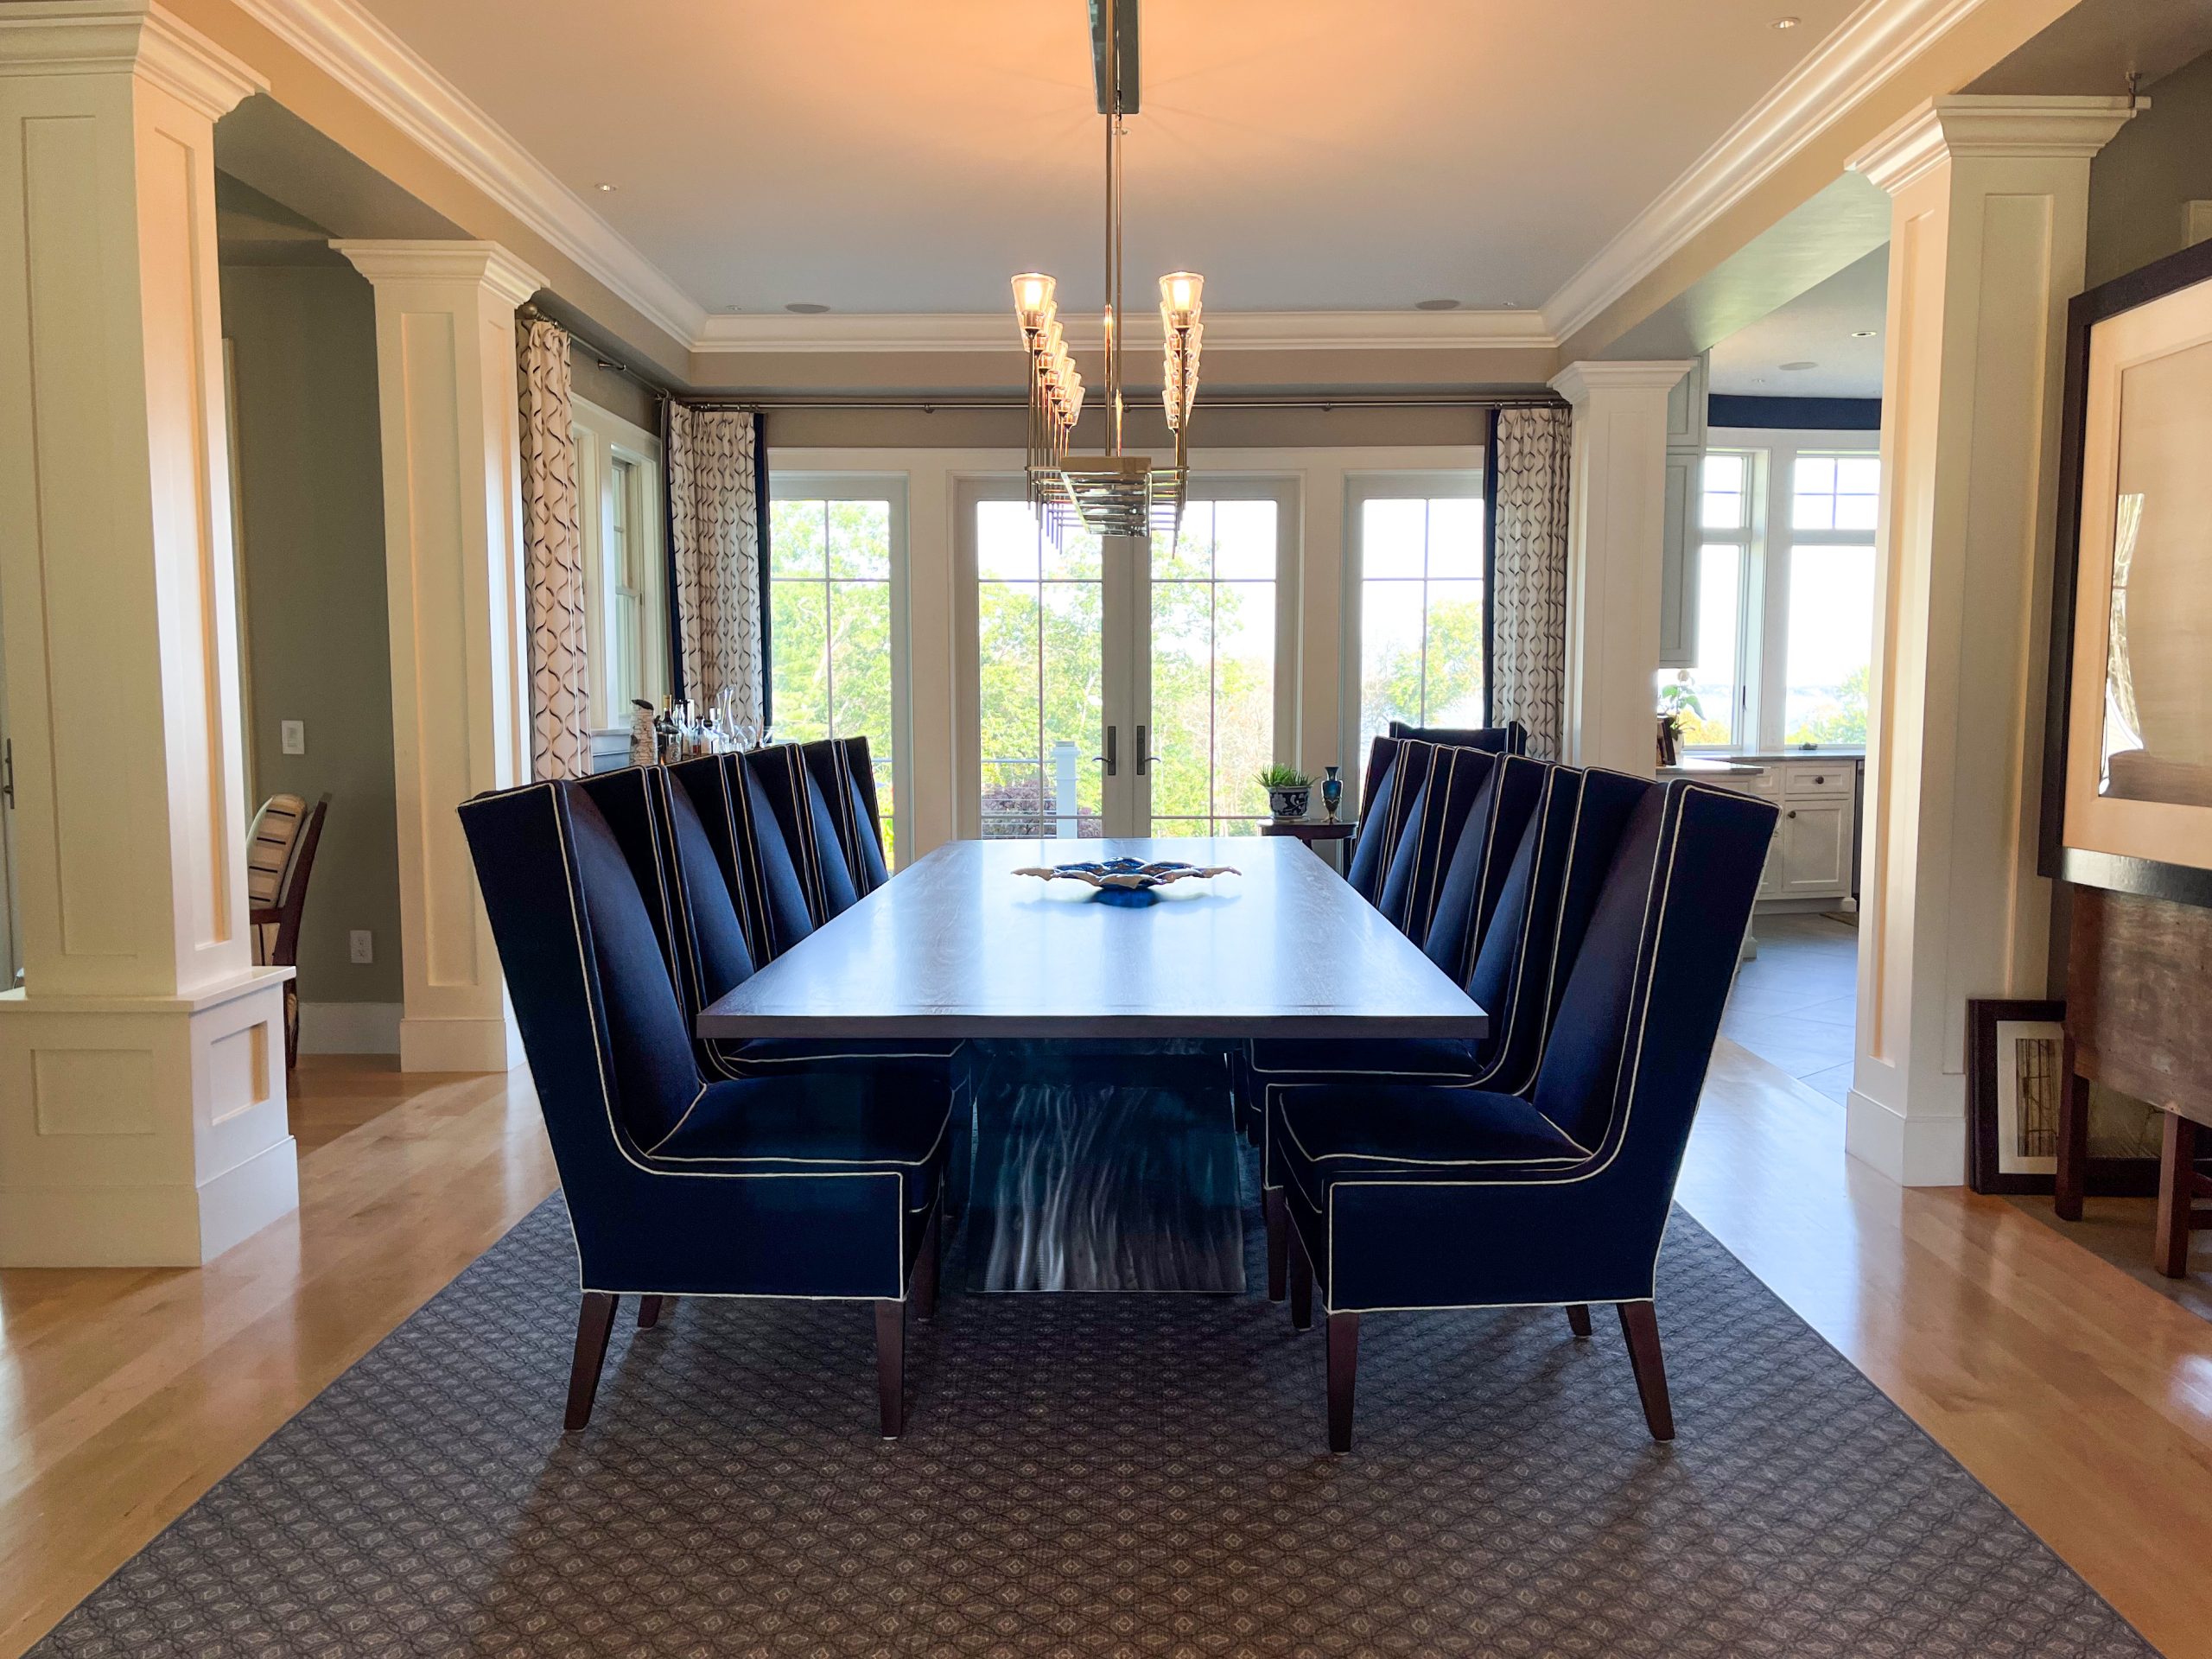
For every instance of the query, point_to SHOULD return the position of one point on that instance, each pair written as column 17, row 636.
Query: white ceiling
column 1306, row 155
column 1819, row 326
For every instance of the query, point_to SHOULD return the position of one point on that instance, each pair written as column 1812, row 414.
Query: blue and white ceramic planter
column 1290, row 804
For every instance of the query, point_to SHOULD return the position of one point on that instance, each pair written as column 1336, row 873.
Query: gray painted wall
column 303, row 345
column 2139, row 181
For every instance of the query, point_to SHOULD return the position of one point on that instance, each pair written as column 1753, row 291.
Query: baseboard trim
column 459, row 1045
column 350, row 1027
column 164, row 1224
column 1911, row 1150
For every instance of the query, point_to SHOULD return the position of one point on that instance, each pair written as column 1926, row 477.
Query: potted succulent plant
column 1288, row 791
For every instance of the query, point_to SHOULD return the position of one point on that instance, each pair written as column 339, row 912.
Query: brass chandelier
column 1110, row 493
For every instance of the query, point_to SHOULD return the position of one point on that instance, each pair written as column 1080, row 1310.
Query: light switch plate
column 294, row 735
column 361, row 945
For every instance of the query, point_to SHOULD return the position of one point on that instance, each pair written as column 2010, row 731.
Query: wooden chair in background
column 280, row 860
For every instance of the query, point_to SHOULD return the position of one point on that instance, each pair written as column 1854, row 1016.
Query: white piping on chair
column 1656, row 906
column 607, row 1097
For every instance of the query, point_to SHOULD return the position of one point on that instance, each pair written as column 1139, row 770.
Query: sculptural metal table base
column 1099, row 1165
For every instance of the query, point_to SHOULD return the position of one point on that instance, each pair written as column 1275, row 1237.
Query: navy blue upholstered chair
column 1512, row 738
column 1438, row 812
column 1388, row 791
column 817, row 1185
column 810, row 827
column 708, row 953
column 1562, row 828
column 750, row 851
column 845, row 773
column 1429, row 1197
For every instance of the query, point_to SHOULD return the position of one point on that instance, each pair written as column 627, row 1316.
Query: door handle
column 1106, row 759
column 1144, row 757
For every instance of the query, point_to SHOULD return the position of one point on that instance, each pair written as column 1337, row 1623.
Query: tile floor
column 1795, row 1004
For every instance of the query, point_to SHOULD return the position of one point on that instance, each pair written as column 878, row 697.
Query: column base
column 142, row 1131
column 1911, row 1150
column 476, row 1045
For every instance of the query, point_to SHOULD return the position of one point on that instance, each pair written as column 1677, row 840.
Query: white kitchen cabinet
column 1815, row 842
column 1810, row 857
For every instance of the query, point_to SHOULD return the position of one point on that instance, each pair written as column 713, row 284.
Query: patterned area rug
column 1093, row 1474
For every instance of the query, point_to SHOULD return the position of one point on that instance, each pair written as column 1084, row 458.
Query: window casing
column 1785, row 603
column 618, row 518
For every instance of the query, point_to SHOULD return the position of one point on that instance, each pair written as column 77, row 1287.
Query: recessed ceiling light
column 1862, row 333
column 807, row 308
column 1436, row 305
column 1785, row 22
column 1802, row 363
column 605, row 188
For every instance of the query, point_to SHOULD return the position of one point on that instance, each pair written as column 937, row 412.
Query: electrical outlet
column 362, row 945
column 295, row 735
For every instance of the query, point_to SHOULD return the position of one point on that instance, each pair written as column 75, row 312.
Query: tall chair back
column 749, row 848
column 1512, row 738
column 809, row 828
column 1438, row 812
column 1467, row 893
column 845, row 773
column 1389, row 789
column 1639, row 1012
column 1520, row 969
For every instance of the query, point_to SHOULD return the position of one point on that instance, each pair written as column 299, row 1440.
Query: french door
column 1125, row 685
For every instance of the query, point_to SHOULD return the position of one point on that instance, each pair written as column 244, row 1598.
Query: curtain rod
column 933, row 405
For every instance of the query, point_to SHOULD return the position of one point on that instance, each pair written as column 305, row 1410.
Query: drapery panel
column 1528, row 565
column 715, row 535
column 559, row 688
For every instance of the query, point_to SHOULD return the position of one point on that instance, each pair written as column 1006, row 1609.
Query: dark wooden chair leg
column 2176, row 1193
column 2073, row 1142
column 594, row 1323
column 1640, row 1325
column 1301, row 1284
column 649, row 1312
column 923, row 1289
column 1343, row 1371
column 1276, row 1209
column 1577, row 1318
column 891, row 1367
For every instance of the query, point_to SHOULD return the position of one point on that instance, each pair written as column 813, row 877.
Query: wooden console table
column 2136, row 1021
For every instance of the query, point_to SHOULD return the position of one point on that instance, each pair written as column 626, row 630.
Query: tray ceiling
column 1304, row 155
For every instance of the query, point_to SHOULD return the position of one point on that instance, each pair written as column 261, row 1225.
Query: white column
column 1617, row 519
column 453, row 569
column 141, row 1066
column 1991, row 203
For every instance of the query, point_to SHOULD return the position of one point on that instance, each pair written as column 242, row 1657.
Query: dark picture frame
column 1985, row 1068
column 2148, row 878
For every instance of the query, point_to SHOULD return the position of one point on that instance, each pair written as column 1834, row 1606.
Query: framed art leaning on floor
column 2016, row 1083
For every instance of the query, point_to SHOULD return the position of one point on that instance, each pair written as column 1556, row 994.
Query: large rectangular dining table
column 1104, row 1149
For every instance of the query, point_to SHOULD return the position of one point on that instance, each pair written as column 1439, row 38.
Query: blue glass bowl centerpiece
column 1129, row 883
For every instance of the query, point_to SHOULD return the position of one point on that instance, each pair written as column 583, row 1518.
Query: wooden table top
column 959, row 946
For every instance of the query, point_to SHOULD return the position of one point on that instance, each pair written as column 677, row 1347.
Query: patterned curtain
column 715, row 533
column 1529, row 605
column 560, row 730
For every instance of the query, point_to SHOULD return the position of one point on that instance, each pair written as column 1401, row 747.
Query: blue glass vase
column 1332, row 792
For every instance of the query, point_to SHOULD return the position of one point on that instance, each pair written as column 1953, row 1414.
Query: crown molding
column 1578, row 382
column 1234, row 331
column 1868, row 49
column 484, row 262
column 373, row 64
column 2045, row 128
column 67, row 37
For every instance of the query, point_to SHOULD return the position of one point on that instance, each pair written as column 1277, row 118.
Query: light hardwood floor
column 2082, row 1398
